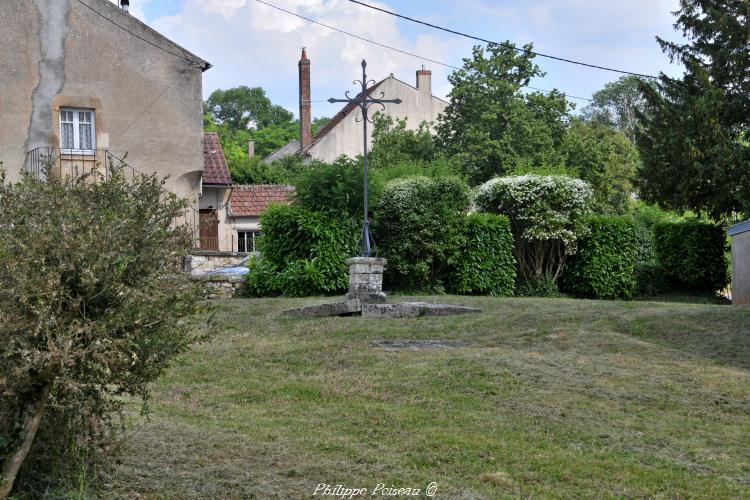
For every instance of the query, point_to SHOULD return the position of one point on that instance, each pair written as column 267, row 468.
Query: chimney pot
column 424, row 81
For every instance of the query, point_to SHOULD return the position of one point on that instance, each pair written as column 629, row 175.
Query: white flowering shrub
column 546, row 214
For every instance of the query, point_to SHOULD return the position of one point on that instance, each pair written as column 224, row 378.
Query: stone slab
column 340, row 308
column 414, row 309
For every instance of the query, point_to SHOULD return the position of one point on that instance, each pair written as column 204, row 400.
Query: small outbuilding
column 740, row 234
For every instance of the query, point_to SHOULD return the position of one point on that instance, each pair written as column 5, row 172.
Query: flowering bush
column 546, row 216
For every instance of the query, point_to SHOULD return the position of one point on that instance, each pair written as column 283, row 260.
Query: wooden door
column 209, row 229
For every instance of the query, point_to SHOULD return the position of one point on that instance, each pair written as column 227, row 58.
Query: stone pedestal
column 366, row 279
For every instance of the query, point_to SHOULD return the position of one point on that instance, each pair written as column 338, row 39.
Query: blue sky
column 252, row 44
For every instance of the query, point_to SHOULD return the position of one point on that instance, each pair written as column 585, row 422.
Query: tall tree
column 693, row 145
column 605, row 159
column 490, row 126
column 245, row 107
column 617, row 105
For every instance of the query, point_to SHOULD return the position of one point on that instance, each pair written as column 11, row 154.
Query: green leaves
column 418, row 228
column 694, row 253
column 692, row 140
column 491, row 126
column 98, row 306
column 303, row 253
column 604, row 265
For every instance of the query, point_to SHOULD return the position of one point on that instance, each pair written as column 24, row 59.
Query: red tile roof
column 338, row 117
column 215, row 169
column 251, row 200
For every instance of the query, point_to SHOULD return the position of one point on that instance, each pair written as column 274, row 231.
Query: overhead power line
column 405, row 52
column 176, row 54
column 504, row 44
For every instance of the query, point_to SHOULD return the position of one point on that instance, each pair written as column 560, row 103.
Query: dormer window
column 77, row 130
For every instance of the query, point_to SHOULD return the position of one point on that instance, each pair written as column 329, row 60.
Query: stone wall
column 224, row 286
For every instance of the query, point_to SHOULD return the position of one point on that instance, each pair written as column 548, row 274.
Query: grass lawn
column 544, row 397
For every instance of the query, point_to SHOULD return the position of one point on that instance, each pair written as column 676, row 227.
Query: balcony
column 99, row 164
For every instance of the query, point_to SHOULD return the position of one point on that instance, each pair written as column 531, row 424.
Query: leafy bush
column 336, row 188
column 694, row 253
column 484, row 262
column 302, row 253
column 652, row 279
column 546, row 215
column 418, row 227
column 603, row 266
column 93, row 307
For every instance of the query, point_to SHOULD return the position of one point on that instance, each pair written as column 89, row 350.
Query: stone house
column 343, row 134
column 84, row 79
column 230, row 213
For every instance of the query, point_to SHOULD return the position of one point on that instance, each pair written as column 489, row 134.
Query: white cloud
column 252, row 44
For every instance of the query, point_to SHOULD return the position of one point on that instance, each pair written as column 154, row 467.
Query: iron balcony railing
column 70, row 163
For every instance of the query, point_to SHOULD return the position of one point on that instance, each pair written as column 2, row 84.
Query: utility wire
column 391, row 47
column 176, row 54
column 505, row 44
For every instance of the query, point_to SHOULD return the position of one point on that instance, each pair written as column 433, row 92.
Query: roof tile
column 251, row 200
column 215, row 169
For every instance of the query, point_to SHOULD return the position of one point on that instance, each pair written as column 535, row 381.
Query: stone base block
column 341, row 308
column 414, row 309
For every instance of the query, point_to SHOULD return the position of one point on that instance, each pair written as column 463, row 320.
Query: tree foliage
column 693, row 144
column 336, row 188
column 93, row 306
column 245, row 107
column 393, row 143
column 617, row 106
column 491, row 126
column 303, row 252
column 604, row 265
column 605, row 159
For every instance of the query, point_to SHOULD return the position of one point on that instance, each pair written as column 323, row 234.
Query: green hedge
column 604, row 265
column 302, row 253
column 418, row 223
column 484, row 262
column 694, row 254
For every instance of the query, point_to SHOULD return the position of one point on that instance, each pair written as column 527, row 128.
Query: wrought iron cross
column 364, row 101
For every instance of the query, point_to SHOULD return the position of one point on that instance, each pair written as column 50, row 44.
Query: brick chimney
column 305, row 119
column 424, row 81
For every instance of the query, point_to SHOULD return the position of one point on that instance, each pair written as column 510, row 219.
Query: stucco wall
column 741, row 268
column 346, row 138
column 58, row 53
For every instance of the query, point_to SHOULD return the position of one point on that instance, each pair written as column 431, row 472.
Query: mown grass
column 549, row 397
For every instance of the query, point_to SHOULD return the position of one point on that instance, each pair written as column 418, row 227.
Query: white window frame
column 77, row 132
column 252, row 241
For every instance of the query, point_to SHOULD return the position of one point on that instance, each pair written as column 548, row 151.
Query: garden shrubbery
column 694, row 254
column 302, row 253
column 418, row 228
column 483, row 263
column 603, row 266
